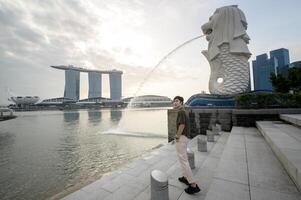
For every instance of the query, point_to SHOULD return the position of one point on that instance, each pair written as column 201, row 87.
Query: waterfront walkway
column 6, row 114
column 240, row 165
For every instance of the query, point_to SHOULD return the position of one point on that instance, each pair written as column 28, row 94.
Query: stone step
column 285, row 141
column 292, row 118
column 248, row 169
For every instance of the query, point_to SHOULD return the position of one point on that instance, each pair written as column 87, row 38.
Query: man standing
column 181, row 146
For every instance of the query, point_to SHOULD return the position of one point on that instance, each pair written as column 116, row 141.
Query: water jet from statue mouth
column 208, row 31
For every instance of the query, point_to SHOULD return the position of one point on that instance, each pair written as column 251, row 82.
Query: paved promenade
column 239, row 165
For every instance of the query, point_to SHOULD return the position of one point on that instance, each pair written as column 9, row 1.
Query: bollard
column 190, row 155
column 202, row 145
column 219, row 128
column 159, row 185
column 210, row 136
column 215, row 130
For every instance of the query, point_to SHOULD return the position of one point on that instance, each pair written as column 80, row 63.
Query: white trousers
column 181, row 147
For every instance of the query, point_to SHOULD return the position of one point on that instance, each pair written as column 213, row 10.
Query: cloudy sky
column 130, row 35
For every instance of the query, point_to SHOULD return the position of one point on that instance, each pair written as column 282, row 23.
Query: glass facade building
column 263, row 67
column 282, row 56
column 209, row 100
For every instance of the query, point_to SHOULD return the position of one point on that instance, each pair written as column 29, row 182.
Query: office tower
column 115, row 85
column 72, row 82
column 262, row 70
column 282, row 56
column 95, row 87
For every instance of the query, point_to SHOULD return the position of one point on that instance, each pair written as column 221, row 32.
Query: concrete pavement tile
column 198, row 196
column 204, row 179
column 95, row 186
column 290, row 130
column 124, row 193
column 232, row 171
column 210, row 162
column 262, row 194
column 293, row 155
column 136, row 163
column 217, row 150
column 276, row 183
column 237, row 155
column 264, row 167
column 123, row 179
column 174, row 170
column 292, row 118
column 151, row 159
column 299, row 180
column 176, row 183
column 95, row 195
column 138, row 169
column 239, row 144
column 144, row 177
column 144, row 195
column 164, row 165
column 226, row 190
column 174, row 192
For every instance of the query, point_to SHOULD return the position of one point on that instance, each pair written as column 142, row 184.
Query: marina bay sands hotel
column 72, row 82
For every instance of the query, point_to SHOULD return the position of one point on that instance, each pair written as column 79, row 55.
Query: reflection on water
column 94, row 116
column 116, row 115
column 71, row 148
column 7, row 140
column 71, row 116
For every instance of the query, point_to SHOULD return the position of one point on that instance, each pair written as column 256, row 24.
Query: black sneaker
column 192, row 190
column 183, row 180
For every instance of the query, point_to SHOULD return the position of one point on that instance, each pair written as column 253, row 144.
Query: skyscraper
column 115, row 85
column 94, row 84
column 262, row 69
column 72, row 82
column 282, row 56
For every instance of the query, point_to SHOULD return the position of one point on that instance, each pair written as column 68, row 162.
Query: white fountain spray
column 157, row 65
column 120, row 126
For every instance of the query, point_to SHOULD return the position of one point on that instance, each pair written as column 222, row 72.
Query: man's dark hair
column 181, row 99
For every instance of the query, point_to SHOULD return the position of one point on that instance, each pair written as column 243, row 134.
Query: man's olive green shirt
column 183, row 119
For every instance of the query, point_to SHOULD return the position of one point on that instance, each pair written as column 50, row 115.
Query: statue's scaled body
column 227, row 52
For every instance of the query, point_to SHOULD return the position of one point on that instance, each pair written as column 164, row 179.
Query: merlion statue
column 228, row 52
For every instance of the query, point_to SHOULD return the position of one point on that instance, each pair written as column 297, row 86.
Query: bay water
column 44, row 153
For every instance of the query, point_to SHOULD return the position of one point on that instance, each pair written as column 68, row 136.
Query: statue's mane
column 229, row 26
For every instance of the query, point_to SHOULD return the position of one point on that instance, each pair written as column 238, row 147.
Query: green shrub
column 268, row 100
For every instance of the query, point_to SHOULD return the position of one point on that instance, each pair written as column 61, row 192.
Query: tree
column 292, row 82
column 280, row 83
column 294, row 78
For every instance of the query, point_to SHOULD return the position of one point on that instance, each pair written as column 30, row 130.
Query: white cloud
column 131, row 35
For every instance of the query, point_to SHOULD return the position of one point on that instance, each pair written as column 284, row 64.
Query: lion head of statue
column 227, row 25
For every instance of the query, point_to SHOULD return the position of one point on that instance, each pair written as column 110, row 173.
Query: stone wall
column 202, row 119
